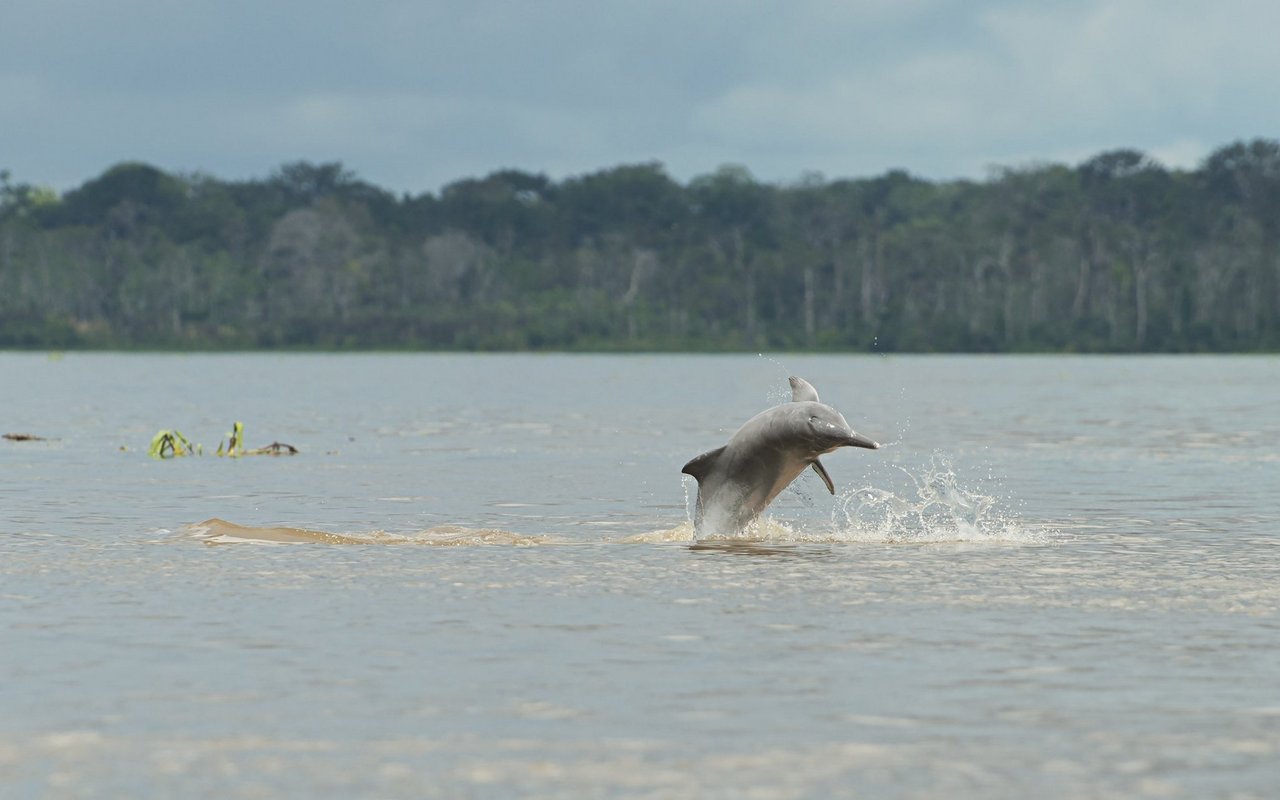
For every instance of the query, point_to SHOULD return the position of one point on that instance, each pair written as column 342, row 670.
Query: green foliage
column 234, row 447
column 1116, row 254
column 172, row 444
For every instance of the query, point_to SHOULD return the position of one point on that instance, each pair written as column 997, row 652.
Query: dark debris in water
column 23, row 437
column 274, row 449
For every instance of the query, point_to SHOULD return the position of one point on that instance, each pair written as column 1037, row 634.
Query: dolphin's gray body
column 737, row 481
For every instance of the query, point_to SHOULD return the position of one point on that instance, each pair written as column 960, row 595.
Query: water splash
column 683, row 532
column 936, row 508
column 690, row 486
column 780, row 392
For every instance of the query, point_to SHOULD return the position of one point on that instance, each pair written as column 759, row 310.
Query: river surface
column 1060, row 577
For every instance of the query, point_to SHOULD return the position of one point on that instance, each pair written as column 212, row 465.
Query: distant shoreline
column 1116, row 255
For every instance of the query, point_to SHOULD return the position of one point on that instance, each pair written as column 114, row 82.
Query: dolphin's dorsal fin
column 699, row 467
column 802, row 390
column 822, row 473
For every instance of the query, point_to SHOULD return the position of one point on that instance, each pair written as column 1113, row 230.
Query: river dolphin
column 737, row 481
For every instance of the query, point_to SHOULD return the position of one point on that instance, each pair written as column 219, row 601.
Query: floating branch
column 172, row 444
column 234, row 447
column 274, row 449
column 23, row 437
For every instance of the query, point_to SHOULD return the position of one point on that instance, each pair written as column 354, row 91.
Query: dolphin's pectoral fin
column 699, row 467
column 802, row 391
column 822, row 473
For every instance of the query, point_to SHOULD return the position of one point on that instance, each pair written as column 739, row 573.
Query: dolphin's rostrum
column 737, row 481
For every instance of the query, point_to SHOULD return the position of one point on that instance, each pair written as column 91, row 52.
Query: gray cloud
column 413, row 95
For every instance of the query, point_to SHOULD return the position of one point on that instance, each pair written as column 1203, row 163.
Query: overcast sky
column 413, row 94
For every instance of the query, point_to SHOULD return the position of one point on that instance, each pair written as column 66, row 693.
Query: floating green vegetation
column 172, row 444
column 235, row 443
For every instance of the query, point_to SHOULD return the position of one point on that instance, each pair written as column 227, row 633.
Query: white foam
column 937, row 508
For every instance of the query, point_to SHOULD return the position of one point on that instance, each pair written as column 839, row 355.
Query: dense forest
column 1116, row 254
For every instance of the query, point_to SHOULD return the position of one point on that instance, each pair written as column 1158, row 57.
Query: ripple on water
column 217, row 531
column 937, row 508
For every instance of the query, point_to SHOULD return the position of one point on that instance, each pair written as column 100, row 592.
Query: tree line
column 1117, row 254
